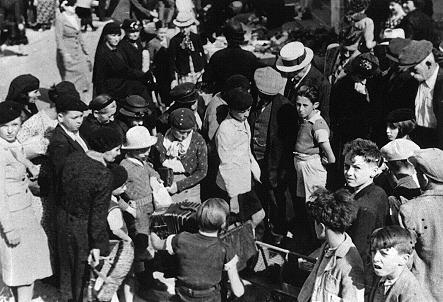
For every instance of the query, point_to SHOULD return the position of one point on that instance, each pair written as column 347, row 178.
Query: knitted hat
column 428, row 161
column 131, row 25
column 399, row 149
column 268, row 81
column 9, row 111
column 414, row 53
column 101, row 101
column 119, row 177
column 70, row 102
column 112, row 28
column 400, row 115
column 182, row 119
column 21, row 85
column 395, row 47
column 238, row 99
column 184, row 93
column 134, row 106
column 365, row 64
column 105, row 139
column 62, row 88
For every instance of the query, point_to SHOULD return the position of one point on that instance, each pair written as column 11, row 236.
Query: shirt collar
column 431, row 81
column 135, row 161
column 69, row 133
column 214, row 235
column 315, row 116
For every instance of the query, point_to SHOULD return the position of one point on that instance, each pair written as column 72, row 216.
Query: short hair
column 335, row 210
column 212, row 214
column 364, row 148
column 392, row 236
column 404, row 127
column 309, row 92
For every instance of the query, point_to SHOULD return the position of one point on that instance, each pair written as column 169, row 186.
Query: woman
column 73, row 61
column 24, row 89
column 395, row 18
column 183, row 150
column 45, row 14
column 13, row 31
column 24, row 252
column 112, row 74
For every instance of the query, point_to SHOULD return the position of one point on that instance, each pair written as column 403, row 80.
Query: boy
column 361, row 165
column 391, row 248
column 338, row 273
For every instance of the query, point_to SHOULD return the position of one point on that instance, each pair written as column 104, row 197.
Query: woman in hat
column 187, row 57
column 73, row 61
column 24, row 249
column 24, row 89
column 183, row 150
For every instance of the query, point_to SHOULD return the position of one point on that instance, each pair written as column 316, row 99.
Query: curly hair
column 310, row 92
column 335, row 210
column 364, row 148
column 392, row 236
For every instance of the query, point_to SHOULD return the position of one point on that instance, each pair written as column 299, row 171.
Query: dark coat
column 179, row 57
column 132, row 55
column 419, row 26
column 91, row 124
column 317, row 79
column 227, row 62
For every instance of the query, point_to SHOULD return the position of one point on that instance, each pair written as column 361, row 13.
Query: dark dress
column 82, row 224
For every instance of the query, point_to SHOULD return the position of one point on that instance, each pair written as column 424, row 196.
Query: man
column 294, row 63
column 418, row 58
column 231, row 60
column 273, row 135
column 422, row 217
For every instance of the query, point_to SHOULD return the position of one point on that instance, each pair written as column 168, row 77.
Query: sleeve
column 118, row 64
column 97, row 227
column 173, row 46
column 83, row 44
column 321, row 131
column 172, row 244
column 58, row 152
column 360, row 231
column 5, row 220
column 202, row 166
column 59, row 35
column 152, row 172
column 209, row 74
column 231, row 259
column 353, row 283
column 225, row 143
column 115, row 219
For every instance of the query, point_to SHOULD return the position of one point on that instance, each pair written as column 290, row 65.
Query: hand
column 132, row 211
column 34, row 170
column 94, row 257
column 21, row 26
column 174, row 83
column 155, row 241
column 234, row 205
column 13, row 237
column 173, row 188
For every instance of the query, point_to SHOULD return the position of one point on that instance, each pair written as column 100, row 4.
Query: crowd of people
column 350, row 140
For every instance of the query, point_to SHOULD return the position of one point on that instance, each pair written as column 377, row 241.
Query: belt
column 197, row 292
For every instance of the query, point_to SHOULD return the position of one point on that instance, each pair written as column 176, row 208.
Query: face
column 111, row 155
column 241, row 115
column 71, row 120
column 107, row 114
column 185, row 30
column 297, row 75
column 9, row 130
column 113, row 39
column 141, row 154
column 161, row 33
column 408, row 6
column 391, row 132
column 119, row 191
column 33, row 95
column 348, row 50
column 358, row 172
column 422, row 71
column 305, row 108
column 387, row 262
column 180, row 135
column 320, row 230
column 133, row 35
column 395, row 8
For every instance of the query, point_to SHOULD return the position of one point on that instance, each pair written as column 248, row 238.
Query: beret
column 399, row 149
column 134, row 106
column 9, row 111
column 268, row 81
column 238, row 99
column 184, row 93
column 182, row 119
column 400, row 115
column 428, row 161
column 70, row 102
column 119, row 176
column 101, row 101
column 105, row 139
column 131, row 25
column 22, row 84
column 112, row 28
column 415, row 52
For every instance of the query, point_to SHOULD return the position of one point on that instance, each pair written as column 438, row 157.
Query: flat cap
column 399, row 149
column 415, row 52
column 395, row 47
column 268, row 80
column 184, row 93
column 428, row 161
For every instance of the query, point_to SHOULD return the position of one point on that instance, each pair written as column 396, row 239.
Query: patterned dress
column 45, row 11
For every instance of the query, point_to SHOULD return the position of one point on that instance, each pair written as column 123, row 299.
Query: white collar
column 431, row 81
column 213, row 235
column 71, row 134
column 135, row 161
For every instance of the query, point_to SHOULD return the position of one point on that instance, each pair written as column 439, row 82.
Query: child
column 116, row 222
column 238, row 166
column 356, row 16
column 361, row 165
column 400, row 123
column 312, row 147
column 338, row 273
column 203, row 256
column 391, row 249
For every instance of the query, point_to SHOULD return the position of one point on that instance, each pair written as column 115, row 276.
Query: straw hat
column 294, row 56
column 184, row 19
column 138, row 137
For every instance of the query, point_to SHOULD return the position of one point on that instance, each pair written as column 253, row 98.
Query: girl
column 203, row 256
column 400, row 123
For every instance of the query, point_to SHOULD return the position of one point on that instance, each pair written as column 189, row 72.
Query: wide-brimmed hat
column 184, row 19
column 294, row 56
column 134, row 106
column 269, row 81
column 415, row 52
column 138, row 137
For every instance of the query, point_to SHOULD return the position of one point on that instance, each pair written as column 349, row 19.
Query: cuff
column 231, row 264
column 169, row 245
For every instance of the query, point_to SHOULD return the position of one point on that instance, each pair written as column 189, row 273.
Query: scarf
column 175, row 150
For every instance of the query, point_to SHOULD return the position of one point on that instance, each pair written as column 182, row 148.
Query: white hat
column 294, row 56
column 184, row 19
column 138, row 137
column 399, row 149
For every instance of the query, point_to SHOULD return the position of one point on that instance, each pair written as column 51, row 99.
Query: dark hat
column 9, row 111
column 395, row 47
column 119, row 177
column 62, row 88
column 238, row 99
column 112, row 28
column 356, row 6
column 184, row 93
column 428, row 161
column 105, row 139
column 101, row 101
column 366, row 65
column 182, row 119
column 22, row 84
column 131, row 25
column 233, row 31
column 415, row 52
column 134, row 106
column 70, row 102
column 400, row 115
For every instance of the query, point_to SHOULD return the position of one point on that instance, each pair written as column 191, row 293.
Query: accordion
column 177, row 218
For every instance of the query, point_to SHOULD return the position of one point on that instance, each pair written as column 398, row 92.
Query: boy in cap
column 422, row 217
